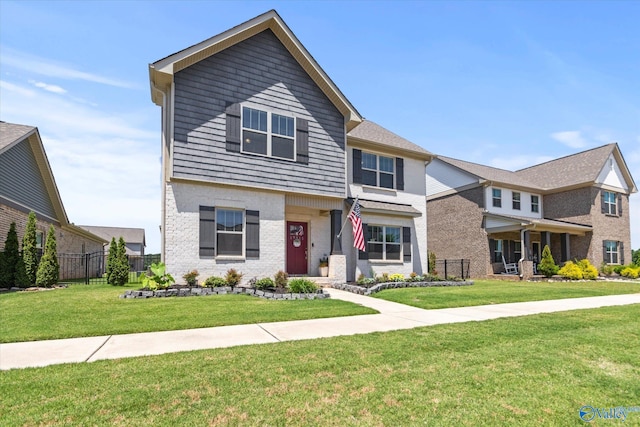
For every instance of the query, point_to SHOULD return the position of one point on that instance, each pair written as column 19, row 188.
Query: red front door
column 296, row 247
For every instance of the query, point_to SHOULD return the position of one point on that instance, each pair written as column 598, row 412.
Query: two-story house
column 261, row 156
column 578, row 205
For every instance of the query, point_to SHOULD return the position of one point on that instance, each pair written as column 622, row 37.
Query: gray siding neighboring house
column 134, row 238
column 27, row 184
column 578, row 205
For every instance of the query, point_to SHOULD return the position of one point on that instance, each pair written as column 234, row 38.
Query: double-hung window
column 535, row 204
column 497, row 251
column 611, row 252
column 268, row 133
column 229, row 232
column 384, row 242
column 609, row 200
column 515, row 201
column 497, row 197
column 378, row 170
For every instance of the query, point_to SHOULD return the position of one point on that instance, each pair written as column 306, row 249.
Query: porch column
column 565, row 245
column 336, row 224
column 526, row 254
column 545, row 239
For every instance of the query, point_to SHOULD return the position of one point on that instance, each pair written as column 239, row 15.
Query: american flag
column 356, row 222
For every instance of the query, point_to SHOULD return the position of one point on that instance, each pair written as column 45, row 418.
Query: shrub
column 360, row 278
column 232, row 277
column 302, row 286
column 606, row 269
column 191, row 277
column 117, row 263
column 547, row 265
column 159, row 278
column 281, row 278
column 264, row 283
column 432, row 263
column 396, row 277
column 635, row 257
column 571, row 271
column 29, row 250
column 214, row 282
column 589, row 272
column 9, row 258
column 618, row 268
column 384, row 278
column 631, row 272
column 49, row 269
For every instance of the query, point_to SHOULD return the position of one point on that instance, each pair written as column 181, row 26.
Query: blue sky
column 507, row 84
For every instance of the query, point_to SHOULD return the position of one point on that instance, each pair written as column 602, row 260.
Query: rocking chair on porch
column 511, row 268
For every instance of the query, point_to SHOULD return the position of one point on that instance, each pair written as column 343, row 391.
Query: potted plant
column 324, row 266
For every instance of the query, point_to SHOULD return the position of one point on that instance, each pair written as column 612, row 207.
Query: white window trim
column 499, row 248
column 384, row 245
column 610, row 253
column 243, row 232
column 494, row 198
column 537, row 204
column 514, row 200
column 378, row 171
column 609, row 205
column 268, row 133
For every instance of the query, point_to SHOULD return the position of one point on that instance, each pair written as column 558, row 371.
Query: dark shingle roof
column 490, row 173
column 373, row 132
column 130, row 235
column 9, row 133
column 568, row 171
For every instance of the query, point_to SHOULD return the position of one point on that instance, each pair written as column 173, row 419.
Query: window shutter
column 399, row 174
column 604, row 252
column 253, row 234
column 406, row 243
column 302, row 141
column 234, row 130
column 367, row 236
column 492, row 249
column 619, row 204
column 602, row 204
column 207, row 231
column 621, row 250
column 357, row 167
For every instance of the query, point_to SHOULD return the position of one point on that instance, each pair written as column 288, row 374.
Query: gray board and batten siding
column 262, row 72
column 21, row 180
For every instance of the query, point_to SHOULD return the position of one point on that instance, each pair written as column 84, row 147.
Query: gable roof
column 372, row 133
column 130, row 235
column 161, row 72
column 488, row 173
column 577, row 169
column 13, row 134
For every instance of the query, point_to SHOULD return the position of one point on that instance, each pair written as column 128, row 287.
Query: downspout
column 524, row 252
column 162, row 171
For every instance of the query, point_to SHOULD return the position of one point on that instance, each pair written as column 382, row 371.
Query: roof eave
column 352, row 140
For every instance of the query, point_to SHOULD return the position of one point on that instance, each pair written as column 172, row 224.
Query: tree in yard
column 49, row 269
column 635, row 257
column 117, row 263
column 9, row 258
column 547, row 264
column 29, row 250
column 111, row 259
column 22, row 281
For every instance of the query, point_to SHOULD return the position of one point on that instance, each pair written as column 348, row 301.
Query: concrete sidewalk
column 393, row 316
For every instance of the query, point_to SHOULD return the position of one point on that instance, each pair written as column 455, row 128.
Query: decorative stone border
column 356, row 289
column 200, row 291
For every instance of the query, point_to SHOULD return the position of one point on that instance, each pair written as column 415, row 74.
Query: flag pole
column 345, row 221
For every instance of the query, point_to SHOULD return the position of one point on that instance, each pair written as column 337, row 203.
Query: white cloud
column 48, row 87
column 50, row 68
column 5, row 85
column 570, row 138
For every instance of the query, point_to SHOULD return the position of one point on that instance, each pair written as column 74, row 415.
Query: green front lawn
column 484, row 292
column 525, row 371
column 92, row 310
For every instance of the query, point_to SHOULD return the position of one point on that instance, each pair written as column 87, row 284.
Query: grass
column 526, row 371
column 484, row 292
column 93, row 310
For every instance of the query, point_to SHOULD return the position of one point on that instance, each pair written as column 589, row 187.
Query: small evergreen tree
column 111, row 260
column 547, row 265
column 22, row 281
column 121, row 271
column 9, row 258
column 49, row 269
column 29, row 250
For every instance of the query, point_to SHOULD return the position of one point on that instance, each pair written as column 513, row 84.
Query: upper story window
column 497, row 197
column 377, row 170
column 609, row 203
column 515, row 200
column 535, row 204
column 384, row 242
column 268, row 134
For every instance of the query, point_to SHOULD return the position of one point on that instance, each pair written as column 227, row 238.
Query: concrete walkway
column 393, row 316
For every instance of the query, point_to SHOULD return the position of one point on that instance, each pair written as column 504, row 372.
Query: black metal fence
column 452, row 268
column 91, row 268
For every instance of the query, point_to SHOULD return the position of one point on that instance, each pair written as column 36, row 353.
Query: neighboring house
column 578, row 205
column 27, row 184
column 133, row 237
column 259, row 148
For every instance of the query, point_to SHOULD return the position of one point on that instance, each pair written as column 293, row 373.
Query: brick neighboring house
column 27, row 184
column 578, row 205
column 262, row 157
